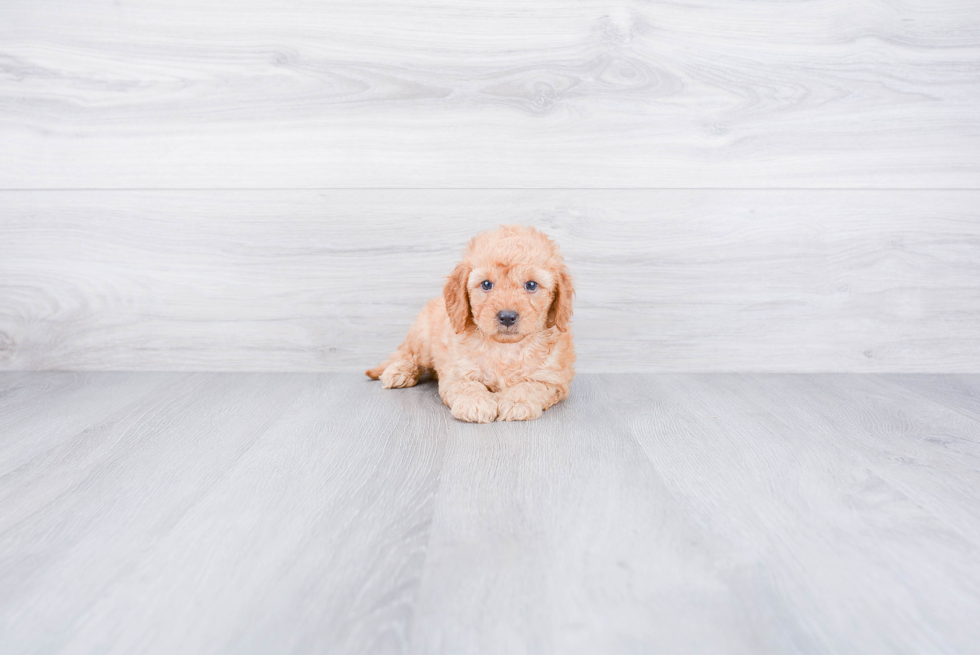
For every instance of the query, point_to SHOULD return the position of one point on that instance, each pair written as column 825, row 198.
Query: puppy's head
column 512, row 282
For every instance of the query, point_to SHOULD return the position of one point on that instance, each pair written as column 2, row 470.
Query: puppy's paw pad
column 475, row 410
column 398, row 376
column 511, row 410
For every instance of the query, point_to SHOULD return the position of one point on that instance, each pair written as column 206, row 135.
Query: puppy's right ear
column 457, row 298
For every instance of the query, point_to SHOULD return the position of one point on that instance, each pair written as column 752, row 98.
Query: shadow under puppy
column 498, row 340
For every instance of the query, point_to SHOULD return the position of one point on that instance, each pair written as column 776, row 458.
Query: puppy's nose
column 507, row 317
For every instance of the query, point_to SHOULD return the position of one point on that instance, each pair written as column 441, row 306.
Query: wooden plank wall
column 259, row 185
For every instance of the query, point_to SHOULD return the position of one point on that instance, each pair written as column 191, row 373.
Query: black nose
column 507, row 317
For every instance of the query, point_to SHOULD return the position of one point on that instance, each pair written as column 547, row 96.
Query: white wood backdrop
column 489, row 93
column 279, row 185
column 667, row 279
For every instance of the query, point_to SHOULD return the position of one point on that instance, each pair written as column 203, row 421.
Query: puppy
column 498, row 340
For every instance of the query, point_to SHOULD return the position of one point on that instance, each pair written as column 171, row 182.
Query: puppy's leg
column 469, row 401
column 399, row 374
column 527, row 400
column 405, row 365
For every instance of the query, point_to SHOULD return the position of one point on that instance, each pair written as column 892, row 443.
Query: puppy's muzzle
column 507, row 317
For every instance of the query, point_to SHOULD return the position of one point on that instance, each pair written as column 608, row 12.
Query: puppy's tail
column 375, row 373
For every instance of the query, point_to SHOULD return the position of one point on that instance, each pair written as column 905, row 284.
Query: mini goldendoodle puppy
column 498, row 340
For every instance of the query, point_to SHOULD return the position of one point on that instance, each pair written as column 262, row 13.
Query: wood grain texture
column 958, row 392
column 489, row 94
column 828, row 474
column 257, row 497
column 669, row 513
column 330, row 280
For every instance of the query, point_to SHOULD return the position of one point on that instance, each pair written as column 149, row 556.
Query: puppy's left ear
column 560, row 313
column 458, row 299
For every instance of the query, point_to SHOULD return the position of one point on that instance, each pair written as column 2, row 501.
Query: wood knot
column 6, row 346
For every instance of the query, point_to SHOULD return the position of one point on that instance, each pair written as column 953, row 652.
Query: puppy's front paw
column 475, row 409
column 514, row 410
column 399, row 375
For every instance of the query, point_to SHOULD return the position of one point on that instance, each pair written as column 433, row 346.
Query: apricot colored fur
column 487, row 371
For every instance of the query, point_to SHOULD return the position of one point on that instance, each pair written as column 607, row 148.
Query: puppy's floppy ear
column 457, row 298
column 560, row 312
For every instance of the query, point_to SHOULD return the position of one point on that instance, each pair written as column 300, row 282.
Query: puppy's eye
column 486, row 285
column 531, row 286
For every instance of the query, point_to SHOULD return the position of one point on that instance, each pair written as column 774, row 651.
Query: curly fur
column 488, row 371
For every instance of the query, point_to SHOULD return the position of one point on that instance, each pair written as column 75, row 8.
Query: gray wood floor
column 301, row 513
